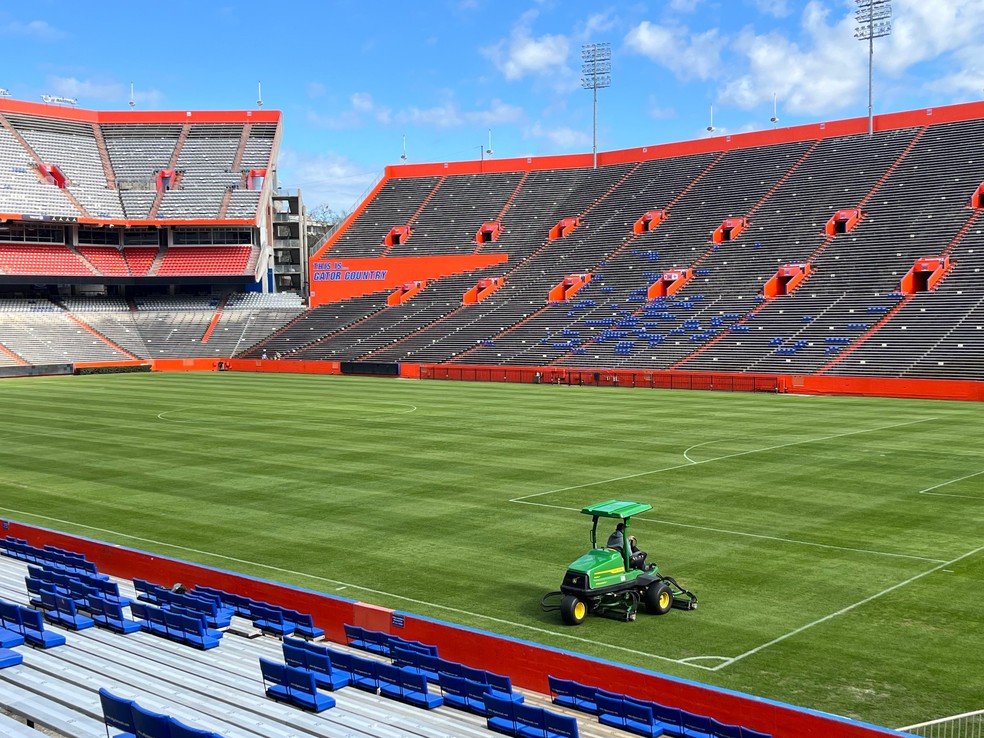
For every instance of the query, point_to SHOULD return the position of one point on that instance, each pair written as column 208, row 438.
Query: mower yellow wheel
column 659, row 598
column 573, row 610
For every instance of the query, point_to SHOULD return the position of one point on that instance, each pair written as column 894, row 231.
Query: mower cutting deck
column 604, row 582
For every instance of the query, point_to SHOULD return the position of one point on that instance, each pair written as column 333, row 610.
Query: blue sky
column 353, row 77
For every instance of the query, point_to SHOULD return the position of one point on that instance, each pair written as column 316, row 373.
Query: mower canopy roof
column 616, row 509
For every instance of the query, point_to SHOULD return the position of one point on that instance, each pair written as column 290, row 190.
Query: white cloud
column 86, row 89
column 497, row 113
column 361, row 107
column 598, row 23
column 684, row 6
column 38, row 29
column 684, row 53
column 148, row 98
column 823, row 73
column 925, row 29
column 777, row 8
column 325, row 179
column 658, row 111
column 560, row 137
column 522, row 54
column 440, row 116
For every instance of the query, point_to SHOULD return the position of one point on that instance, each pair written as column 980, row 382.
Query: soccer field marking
column 720, row 458
column 928, row 490
column 705, row 443
column 381, row 593
column 161, row 416
column 762, row 536
column 844, row 610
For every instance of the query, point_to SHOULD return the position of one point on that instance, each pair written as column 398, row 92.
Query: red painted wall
column 330, row 282
column 528, row 664
column 921, row 389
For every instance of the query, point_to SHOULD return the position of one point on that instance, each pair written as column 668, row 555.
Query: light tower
column 875, row 19
column 596, row 66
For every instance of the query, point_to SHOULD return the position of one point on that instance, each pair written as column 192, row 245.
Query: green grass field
column 836, row 544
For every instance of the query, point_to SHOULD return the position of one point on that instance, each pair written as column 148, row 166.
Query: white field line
column 705, row 443
column 779, row 539
column 847, row 609
column 928, row 490
column 719, row 458
column 344, row 585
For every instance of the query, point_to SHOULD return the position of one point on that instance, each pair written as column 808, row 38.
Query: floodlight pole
column 596, row 66
column 875, row 19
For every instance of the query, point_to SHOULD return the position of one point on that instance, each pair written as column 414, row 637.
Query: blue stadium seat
column 303, row 691
column 117, row 714
column 274, row 677
column 9, row 657
column 148, row 724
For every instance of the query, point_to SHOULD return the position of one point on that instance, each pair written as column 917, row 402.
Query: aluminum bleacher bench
column 46, row 712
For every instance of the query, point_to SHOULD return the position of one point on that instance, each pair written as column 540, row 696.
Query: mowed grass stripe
column 333, row 482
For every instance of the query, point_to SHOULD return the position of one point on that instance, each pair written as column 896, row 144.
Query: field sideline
column 835, row 543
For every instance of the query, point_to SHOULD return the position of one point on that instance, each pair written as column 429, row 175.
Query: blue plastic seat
column 723, row 730
column 304, row 691
column 325, row 674
column 33, row 630
column 274, row 680
column 148, row 724
column 560, row 726
column 117, row 713
column 364, row 674
column 500, row 715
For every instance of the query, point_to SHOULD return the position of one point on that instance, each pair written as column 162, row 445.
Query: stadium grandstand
column 810, row 259
column 809, row 251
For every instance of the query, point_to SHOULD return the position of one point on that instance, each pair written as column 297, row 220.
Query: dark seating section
column 640, row 716
column 133, row 720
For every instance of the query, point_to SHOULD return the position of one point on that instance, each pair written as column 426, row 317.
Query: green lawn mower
column 610, row 582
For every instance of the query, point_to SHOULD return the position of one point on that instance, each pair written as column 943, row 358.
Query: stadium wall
column 528, row 664
column 913, row 389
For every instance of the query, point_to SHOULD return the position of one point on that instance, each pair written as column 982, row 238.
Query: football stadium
column 262, row 480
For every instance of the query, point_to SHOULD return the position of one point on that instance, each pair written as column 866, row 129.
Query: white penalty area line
column 381, row 593
column 718, row 458
column 845, row 610
column 929, row 490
